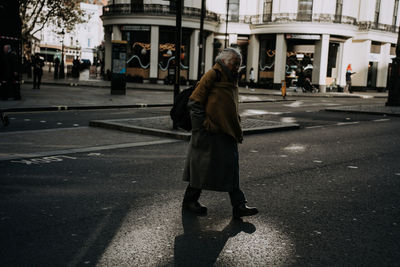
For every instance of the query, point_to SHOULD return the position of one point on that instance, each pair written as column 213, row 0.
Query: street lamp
column 394, row 84
column 62, row 74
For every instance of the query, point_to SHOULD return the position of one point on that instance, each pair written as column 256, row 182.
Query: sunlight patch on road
column 295, row 148
column 295, row 104
column 144, row 239
column 288, row 120
column 253, row 112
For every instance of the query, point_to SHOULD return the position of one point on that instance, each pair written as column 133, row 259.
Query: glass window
column 338, row 12
column 377, row 9
column 267, row 10
column 233, row 9
column 305, row 10
column 396, row 10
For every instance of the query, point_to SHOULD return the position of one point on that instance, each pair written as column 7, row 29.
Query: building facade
column 276, row 37
column 79, row 43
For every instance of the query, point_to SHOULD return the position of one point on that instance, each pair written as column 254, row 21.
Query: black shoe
column 195, row 207
column 243, row 210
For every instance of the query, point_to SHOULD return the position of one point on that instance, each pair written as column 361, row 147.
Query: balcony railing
column 153, row 9
column 275, row 18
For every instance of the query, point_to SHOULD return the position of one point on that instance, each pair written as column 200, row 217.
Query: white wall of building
column 359, row 62
column 386, row 5
column 367, row 10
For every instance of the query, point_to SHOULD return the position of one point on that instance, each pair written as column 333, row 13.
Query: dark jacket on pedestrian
column 212, row 162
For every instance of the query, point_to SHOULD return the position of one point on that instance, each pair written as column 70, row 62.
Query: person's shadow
column 199, row 247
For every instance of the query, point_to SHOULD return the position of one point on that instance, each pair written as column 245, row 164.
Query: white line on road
column 43, row 130
column 380, row 120
column 347, row 123
column 87, row 149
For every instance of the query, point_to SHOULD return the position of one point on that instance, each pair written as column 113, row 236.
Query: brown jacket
column 221, row 100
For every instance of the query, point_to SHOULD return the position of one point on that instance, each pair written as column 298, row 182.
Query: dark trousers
column 193, row 194
column 37, row 78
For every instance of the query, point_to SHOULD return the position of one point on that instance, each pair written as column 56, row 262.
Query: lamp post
column 62, row 74
column 394, row 84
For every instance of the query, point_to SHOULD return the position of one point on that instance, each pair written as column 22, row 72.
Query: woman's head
column 231, row 57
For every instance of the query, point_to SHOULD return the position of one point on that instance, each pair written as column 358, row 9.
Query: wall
column 386, row 5
column 367, row 10
column 359, row 62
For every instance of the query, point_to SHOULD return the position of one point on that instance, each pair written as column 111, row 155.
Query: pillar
column 253, row 55
column 107, row 49
column 345, row 60
column 383, row 67
column 280, row 60
column 320, row 65
column 208, row 61
column 116, row 33
column 194, row 55
column 154, row 48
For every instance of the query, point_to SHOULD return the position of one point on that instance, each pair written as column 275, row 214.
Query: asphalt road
column 328, row 194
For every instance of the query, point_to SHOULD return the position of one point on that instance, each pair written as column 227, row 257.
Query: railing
column 153, row 9
column 275, row 18
column 367, row 25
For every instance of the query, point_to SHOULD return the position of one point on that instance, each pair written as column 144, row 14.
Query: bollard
column 283, row 89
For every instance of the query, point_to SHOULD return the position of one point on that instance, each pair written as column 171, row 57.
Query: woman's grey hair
column 229, row 54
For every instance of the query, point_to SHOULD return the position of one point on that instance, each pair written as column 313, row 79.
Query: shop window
column 305, row 10
column 332, row 55
column 375, row 48
column 166, row 55
column 138, row 54
column 233, row 10
column 267, row 60
column 267, row 16
column 338, row 12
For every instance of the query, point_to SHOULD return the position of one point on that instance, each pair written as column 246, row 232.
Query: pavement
column 89, row 92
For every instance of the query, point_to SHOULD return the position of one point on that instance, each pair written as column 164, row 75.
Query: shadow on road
column 202, row 247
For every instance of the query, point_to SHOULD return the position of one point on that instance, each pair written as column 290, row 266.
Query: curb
column 180, row 134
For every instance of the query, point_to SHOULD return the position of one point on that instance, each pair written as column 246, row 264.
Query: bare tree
column 35, row 14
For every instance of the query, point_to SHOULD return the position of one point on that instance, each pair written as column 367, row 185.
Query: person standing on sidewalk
column 348, row 79
column 56, row 67
column 213, row 161
column 252, row 78
column 9, row 74
column 37, row 71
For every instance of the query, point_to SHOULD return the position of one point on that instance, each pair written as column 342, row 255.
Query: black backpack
column 180, row 113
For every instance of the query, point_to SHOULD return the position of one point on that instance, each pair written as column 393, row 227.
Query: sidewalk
column 94, row 93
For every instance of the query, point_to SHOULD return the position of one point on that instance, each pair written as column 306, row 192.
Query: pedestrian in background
column 37, row 71
column 252, row 78
column 9, row 74
column 56, row 67
column 213, row 160
column 348, row 79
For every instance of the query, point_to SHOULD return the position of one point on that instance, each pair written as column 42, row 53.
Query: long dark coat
column 212, row 162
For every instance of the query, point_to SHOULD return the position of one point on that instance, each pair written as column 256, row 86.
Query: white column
column 320, row 64
column 253, row 55
column 280, row 60
column 232, row 39
column 383, row 66
column 107, row 49
column 116, row 33
column 194, row 55
column 344, row 61
column 209, row 53
column 154, row 40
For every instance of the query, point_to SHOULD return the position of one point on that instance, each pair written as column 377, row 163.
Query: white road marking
column 347, row 123
column 87, row 149
column 381, row 120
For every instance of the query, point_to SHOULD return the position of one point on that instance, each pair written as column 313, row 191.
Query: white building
column 81, row 42
column 274, row 35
